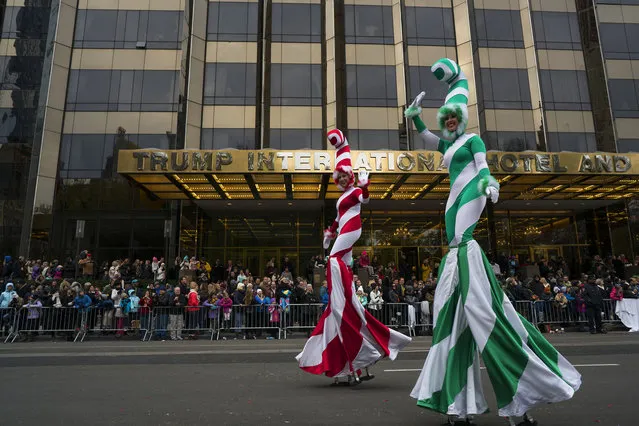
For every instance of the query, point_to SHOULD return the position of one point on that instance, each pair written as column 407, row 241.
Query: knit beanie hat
column 457, row 98
column 342, row 157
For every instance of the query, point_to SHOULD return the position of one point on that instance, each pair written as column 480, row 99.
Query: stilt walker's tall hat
column 457, row 98
column 342, row 157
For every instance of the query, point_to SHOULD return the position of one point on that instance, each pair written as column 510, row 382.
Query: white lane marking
column 404, row 370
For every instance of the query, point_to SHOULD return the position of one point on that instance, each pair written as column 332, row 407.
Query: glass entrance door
column 537, row 253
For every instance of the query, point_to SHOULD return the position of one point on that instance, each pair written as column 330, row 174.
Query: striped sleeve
column 431, row 141
column 478, row 149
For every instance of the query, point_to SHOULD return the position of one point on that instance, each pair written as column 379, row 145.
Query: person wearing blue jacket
column 7, row 295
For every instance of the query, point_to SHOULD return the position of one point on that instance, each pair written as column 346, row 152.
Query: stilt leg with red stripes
column 347, row 337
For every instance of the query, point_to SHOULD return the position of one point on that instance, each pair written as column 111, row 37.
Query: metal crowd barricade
column 525, row 309
column 300, row 317
column 31, row 322
column 7, row 321
column 253, row 320
column 114, row 321
column 179, row 323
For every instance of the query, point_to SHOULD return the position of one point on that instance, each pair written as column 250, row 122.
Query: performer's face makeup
column 343, row 179
column 451, row 122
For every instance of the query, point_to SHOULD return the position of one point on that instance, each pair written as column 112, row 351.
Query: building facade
column 86, row 81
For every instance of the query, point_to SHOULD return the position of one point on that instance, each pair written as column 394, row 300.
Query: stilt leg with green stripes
column 473, row 317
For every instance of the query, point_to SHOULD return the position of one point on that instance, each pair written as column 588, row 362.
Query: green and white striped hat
column 457, row 98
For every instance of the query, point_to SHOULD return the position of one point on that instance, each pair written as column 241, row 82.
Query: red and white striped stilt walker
column 347, row 338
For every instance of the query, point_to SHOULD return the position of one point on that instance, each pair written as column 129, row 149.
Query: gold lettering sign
column 312, row 161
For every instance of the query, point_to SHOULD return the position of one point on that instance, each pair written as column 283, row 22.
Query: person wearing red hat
column 347, row 338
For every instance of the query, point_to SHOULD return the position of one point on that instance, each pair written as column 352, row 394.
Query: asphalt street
column 258, row 383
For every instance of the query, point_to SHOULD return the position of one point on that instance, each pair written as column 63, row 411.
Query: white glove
column 415, row 108
column 493, row 194
column 362, row 178
column 327, row 243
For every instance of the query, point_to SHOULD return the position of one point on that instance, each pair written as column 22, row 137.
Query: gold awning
column 403, row 175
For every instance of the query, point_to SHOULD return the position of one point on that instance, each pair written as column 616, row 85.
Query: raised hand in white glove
column 415, row 108
column 493, row 194
column 362, row 178
column 328, row 237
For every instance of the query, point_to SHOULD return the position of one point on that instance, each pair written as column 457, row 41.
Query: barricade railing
column 299, row 316
column 31, row 322
column 182, row 322
column 7, row 322
column 551, row 312
column 210, row 320
column 109, row 320
column 251, row 321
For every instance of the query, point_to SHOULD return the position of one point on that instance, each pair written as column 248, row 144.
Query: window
column 228, row 138
column 510, row 141
column 233, row 21
column 371, row 85
column 504, row 89
column 230, row 84
column 624, row 97
column 368, row 24
column 620, row 41
column 373, row 139
column 429, row 26
column 123, row 29
column 628, row 145
column 565, row 90
column 498, row 28
column 420, row 78
column 296, row 84
column 20, row 72
column 29, row 22
column 296, row 139
column 575, row 142
column 17, row 125
column 296, row 23
column 115, row 90
column 556, row 30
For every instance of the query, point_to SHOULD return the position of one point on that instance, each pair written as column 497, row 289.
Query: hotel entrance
column 538, row 253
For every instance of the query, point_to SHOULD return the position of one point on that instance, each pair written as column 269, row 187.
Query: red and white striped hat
column 342, row 157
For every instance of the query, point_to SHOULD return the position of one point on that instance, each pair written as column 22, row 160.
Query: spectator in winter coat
column 617, row 293
column 593, row 295
column 82, row 302
column 7, row 295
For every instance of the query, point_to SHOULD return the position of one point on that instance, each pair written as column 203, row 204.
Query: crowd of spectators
column 194, row 294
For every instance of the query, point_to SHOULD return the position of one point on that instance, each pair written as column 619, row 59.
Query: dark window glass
column 17, row 125
column 373, row 139
column 556, row 30
column 20, row 72
column 296, row 84
column 233, row 21
column 624, row 97
column 430, row 26
column 628, row 145
column 498, row 28
column 228, row 138
column 617, row 1
column 420, row 78
column 115, row 90
column 296, row 139
column 163, row 28
column 86, row 152
column 297, row 23
column 124, row 29
column 619, row 41
column 371, row 85
column 575, row 142
column 29, row 22
column 509, row 141
column 505, row 88
column 368, row 24
column 230, row 84
column 565, row 90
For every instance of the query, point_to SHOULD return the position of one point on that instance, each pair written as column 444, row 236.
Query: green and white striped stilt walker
column 471, row 314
